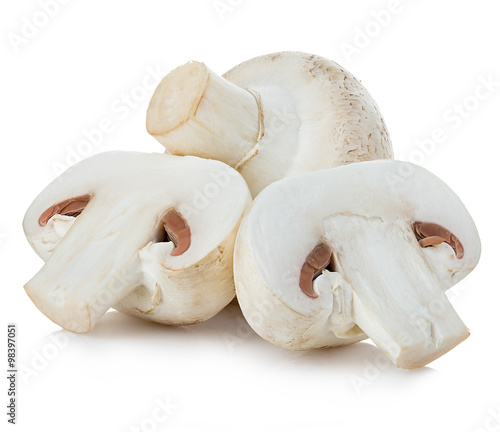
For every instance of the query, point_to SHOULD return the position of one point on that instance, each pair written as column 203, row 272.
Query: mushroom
column 149, row 234
column 368, row 249
column 271, row 117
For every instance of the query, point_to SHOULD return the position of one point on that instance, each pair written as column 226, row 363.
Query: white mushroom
column 150, row 234
column 271, row 117
column 326, row 258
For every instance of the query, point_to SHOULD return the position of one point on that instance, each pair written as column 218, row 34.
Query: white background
column 72, row 72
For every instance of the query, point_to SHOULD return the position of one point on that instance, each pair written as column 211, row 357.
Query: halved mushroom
column 149, row 234
column 326, row 258
column 271, row 117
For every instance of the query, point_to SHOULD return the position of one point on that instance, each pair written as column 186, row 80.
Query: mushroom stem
column 398, row 300
column 92, row 268
column 194, row 111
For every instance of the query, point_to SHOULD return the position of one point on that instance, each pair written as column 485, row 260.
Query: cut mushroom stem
column 398, row 300
column 92, row 268
column 194, row 110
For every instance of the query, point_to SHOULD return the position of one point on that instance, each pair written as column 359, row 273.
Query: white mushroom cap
column 379, row 274
column 118, row 242
column 271, row 117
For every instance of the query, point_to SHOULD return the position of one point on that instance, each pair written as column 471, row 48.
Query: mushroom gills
column 69, row 207
column 431, row 234
column 176, row 230
column 318, row 260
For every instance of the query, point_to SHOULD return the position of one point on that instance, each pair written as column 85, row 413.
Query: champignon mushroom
column 149, row 234
column 330, row 257
column 271, row 117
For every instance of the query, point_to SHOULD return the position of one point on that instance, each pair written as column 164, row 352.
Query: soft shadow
column 118, row 325
column 229, row 332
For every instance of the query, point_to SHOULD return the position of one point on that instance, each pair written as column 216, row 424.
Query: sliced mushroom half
column 270, row 117
column 149, row 234
column 330, row 257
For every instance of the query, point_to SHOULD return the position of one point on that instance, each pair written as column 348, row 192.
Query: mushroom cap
column 317, row 116
column 285, row 223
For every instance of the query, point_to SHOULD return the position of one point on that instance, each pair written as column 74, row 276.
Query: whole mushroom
column 271, row 117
